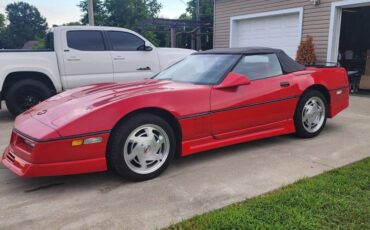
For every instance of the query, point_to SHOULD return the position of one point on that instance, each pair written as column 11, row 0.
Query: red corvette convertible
column 209, row 100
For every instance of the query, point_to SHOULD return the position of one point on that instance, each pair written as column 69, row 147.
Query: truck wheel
column 311, row 114
column 24, row 94
column 141, row 147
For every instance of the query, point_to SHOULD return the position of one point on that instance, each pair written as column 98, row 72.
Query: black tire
column 24, row 94
column 115, row 156
column 300, row 129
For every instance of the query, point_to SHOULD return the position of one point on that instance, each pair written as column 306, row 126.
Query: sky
column 63, row 11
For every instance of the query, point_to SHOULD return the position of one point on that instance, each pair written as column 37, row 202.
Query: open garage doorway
column 349, row 41
column 354, row 46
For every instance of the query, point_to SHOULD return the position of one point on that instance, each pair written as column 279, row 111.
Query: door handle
column 73, row 58
column 284, row 84
column 144, row 68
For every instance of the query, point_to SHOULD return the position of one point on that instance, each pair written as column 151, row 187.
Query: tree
column 206, row 10
column 2, row 27
column 129, row 13
column 2, row 22
column 123, row 13
column 206, row 15
column 72, row 24
column 100, row 13
column 306, row 54
column 25, row 24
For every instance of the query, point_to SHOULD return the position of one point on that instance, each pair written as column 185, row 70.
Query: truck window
column 49, row 44
column 122, row 41
column 89, row 40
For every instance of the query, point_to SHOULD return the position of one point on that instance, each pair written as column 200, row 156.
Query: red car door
column 267, row 103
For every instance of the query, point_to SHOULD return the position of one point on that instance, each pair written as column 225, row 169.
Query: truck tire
column 24, row 94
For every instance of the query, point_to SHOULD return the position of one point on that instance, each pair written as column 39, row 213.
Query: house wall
column 316, row 19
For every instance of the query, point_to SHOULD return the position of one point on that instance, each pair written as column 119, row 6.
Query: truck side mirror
column 148, row 48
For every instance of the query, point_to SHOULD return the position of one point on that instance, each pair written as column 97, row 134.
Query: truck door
column 131, row 61
column 86, row 58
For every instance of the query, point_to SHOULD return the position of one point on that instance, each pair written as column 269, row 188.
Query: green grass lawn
column 339, row 199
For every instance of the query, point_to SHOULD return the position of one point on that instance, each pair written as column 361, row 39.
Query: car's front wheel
column 141, row 147
column 311, row 114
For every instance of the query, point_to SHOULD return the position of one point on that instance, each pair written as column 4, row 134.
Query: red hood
column 62, row 108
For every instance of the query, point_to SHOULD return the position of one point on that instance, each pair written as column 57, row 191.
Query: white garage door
column 278, row 31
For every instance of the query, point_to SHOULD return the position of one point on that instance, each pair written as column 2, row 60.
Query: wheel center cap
column 146, row 149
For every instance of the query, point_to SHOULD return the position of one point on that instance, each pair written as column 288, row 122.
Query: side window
column 122, row 41
column 87, row 40
column 49, row 44
column 259, row 66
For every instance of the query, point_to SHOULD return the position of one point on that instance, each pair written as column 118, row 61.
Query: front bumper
column 54, row 158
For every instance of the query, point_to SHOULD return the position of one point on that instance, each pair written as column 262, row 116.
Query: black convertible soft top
column 288, row 64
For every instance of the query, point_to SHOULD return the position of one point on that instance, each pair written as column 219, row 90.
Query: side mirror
column 233, row 80
column 144, row 47
column 148, row 48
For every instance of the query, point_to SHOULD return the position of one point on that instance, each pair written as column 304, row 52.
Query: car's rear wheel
column 311, row 114
column 141, row 147
column 25, row 94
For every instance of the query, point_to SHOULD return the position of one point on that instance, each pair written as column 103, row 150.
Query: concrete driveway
column 192, row 185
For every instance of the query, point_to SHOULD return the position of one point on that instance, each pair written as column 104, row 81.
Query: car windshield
column 205, row 69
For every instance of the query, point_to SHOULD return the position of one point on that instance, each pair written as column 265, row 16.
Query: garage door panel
column 279, row 31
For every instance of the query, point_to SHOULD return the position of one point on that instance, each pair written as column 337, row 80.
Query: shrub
column 306, row 54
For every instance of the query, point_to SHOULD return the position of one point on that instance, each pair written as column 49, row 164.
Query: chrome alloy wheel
column 313, row 114
column 146, row 149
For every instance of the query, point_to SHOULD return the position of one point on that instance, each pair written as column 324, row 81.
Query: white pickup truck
column 77, row 56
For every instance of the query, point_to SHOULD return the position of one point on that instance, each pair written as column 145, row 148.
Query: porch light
column 315, row 2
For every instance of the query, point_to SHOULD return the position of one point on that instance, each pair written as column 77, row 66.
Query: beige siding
column 315, row 18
